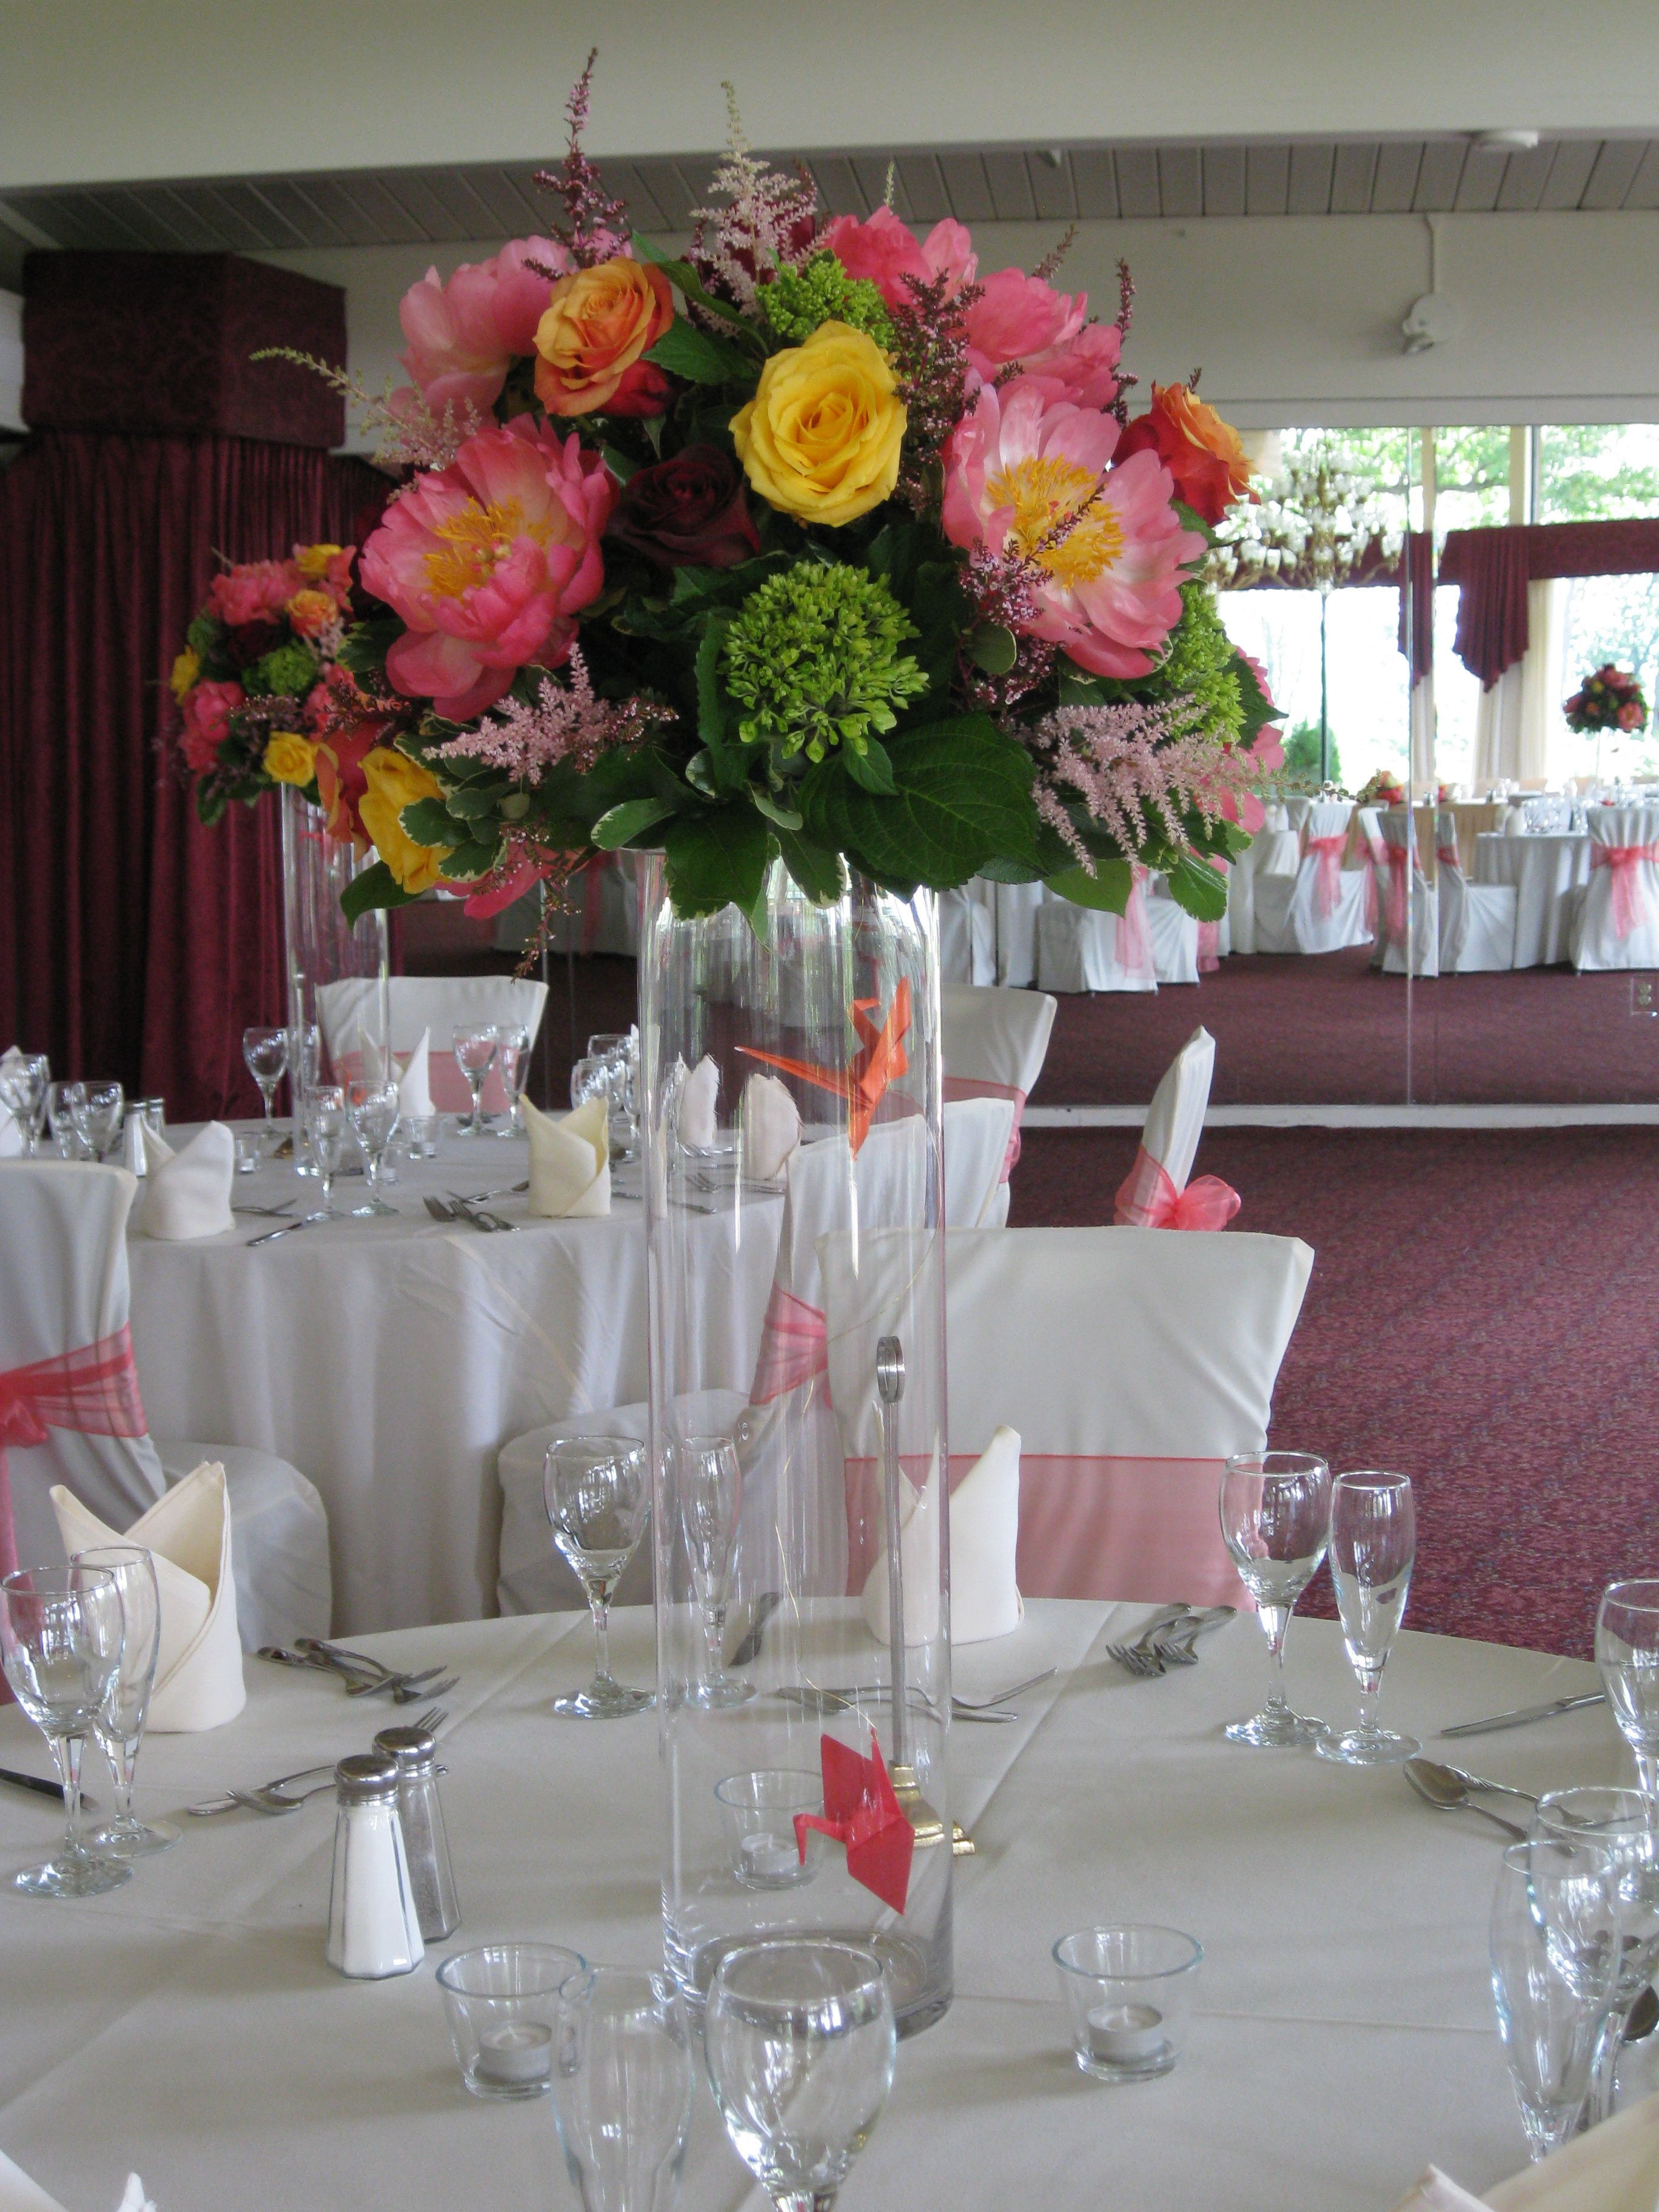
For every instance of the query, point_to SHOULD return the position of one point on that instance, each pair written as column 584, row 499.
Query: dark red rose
column 689, row 508
column 644, row 390
column 251, row 641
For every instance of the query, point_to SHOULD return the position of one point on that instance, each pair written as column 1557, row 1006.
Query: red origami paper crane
column 863, row 1084
column 860, row 1807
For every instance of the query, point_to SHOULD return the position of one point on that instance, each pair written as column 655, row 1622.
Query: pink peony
column 489, row 560
column 207, row 710
column 1085, row 370
column 1022, row 318
column 1023, row 462
column 465, row 336
column 887, row 251
column 254, row 590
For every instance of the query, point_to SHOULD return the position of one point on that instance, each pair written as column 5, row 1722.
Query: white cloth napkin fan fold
column 198, row 1667
column 188, row 1193
column 771, row 1127
column 569, row 1161
column 20, row 2194
column 414, row 1085
column 985, row 1599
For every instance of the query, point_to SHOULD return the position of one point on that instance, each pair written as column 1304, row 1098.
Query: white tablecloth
column 390, row 1360
column 1544, row 870
column 187, row 2026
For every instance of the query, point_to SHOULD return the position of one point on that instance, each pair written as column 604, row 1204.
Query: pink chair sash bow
column 1209, row 947
column 969, row 1086
column 1134, row 930
column 92, row 1391
column 794, row 1346
column 1447, row 856
column 1147, row 1199
column 1629, row 903
column 1399, row 860
column 1327, row 883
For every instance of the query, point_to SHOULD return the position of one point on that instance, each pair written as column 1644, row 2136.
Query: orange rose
column 311, row 612
column 1202, row 453
column 597, row 324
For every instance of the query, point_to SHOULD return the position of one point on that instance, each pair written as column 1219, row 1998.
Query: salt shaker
column 373, row 1927
column 421, row 1813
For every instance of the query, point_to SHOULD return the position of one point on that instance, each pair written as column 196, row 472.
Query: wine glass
column 265, row 1053
column 1618, row 1821
column 23, row 1094
column 710, row 1491
column 1373, row 1546
column 1276, row 1522
column 328, row 1130
column 60, row 1644
column 513, row 1065
column 618, row 1050
column 1555, row 1952
column 799, row 2041
column 623, row 2087
column 101, row 1118
column 599, row 1501
column 373, row 1107
column 1627, row 1653
column 474, row 1049
column 66, row 1106
column 119, row 1726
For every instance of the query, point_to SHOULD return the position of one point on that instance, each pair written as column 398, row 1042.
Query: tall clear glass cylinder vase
column 339, row 1012
column 791, row 1110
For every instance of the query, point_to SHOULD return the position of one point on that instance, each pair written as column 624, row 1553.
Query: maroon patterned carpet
column 1481, row 1317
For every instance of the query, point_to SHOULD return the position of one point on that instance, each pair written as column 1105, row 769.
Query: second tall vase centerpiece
column 336, row 970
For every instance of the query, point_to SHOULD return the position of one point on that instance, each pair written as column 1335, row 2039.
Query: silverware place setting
column 1523, row 1714
column 362, row 1676
column 1449, row 1791
column 1167, row 1639
column 286, row 1229
column 277, row 1797
column 827, row 1700
column 43, row 1788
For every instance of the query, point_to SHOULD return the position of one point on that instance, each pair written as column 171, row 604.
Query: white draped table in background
column 187, row 2026
column 389, row 1360
column 1545, row 869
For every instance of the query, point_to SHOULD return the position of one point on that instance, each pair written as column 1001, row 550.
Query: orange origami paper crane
column 860, row 1807
column 863, row 1084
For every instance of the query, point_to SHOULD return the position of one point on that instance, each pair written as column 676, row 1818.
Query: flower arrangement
column 1384, row 789
column 818, row 544
column 1608, row 699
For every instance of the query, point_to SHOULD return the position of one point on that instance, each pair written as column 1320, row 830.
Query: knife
column 1527, row 1713
column 749, row 1649
column 53, row 1790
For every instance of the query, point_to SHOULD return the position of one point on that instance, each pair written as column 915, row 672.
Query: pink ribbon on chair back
column 1209, row 947
column 794, row 1346
column 1135, row 929
column 1629, row 905
column 1328, row 885
column 1398, row 860
column 92, row 1391
column 969, row 1086
column 1147, row 1199
column 1447, row 856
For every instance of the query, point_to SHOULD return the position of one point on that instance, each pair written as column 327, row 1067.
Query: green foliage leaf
column 820, row 874
column 376, row 887
column 872, row 767
column 1200, row 889
column 684, row 350
column 212, row 800
column 994, row 648
column 714, row 719
column 782, row 816
column 716, row 857
column 367, row 643
column 429, row 822
column 471, row 861
column 1258, row 710
column 632, row 819
column 963, row 794
column 1106, row 890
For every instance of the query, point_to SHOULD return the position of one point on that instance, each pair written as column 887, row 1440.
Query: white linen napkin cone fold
column 985, row 1599
column 188, row 1193
column 1613, row 2168
column 11, row 1143
column 698, row 1130
column 1175, row 1119
column 1434, row 2191
column 18, row 2193
column 771, row 1127
column 569, row 1161
column 415, row 1084
column 198, row 1666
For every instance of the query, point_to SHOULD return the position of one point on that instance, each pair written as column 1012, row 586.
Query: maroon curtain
column 1493, row 567
column 133, row 941
column 1416, row 602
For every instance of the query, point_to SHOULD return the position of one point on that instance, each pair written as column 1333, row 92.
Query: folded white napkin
column 1613, row 2168
column 697, row 1096
column 188, row 1193
column 1433, row 2191
column 771, row 1127
column 1175, row 1119
column 414, row 1089
column 11, row 1143
column 569, row 1161
column 18, row 2194
column 198, row 1668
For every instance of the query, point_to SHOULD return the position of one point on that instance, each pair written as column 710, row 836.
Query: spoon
column 1479, row 1781
column 1439, row 1787
column 1643, row 2017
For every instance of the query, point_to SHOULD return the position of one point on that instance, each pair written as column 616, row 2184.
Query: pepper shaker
column 374, row 1926
column 421, row 1813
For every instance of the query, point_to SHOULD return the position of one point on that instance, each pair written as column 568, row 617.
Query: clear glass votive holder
column 1129, row 1991
column 759, row 1811
column 250, row 1150
column 420, row 1134
column 500, row 2001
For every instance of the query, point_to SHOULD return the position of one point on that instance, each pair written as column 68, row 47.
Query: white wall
column 139, row 89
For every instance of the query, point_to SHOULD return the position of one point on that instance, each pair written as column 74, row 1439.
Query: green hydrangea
column 290, row 669
column 797, row 301
column 204, row 633
column 814, row 656
column 1199, row 664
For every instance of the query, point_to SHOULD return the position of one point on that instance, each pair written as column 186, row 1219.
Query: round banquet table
column 187, row 2027
column 1545, row 870
column 390, row 1360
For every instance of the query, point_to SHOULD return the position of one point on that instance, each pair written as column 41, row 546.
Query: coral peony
column 465, row 336
column 597, row 324
column 1022, row 463
column 489, row 560
column 1085, row 370
column 208, row 710
column 1022, row 318
column 254, row 592
column 887, row 252
column 1202, row 453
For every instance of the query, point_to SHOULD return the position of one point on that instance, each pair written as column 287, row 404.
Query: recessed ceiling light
column 1505, row 142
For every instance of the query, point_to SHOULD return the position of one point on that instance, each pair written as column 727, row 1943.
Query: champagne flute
column 1276, row 1522
column 1627, row 1653
column 373, row 1107
column 23, row 1094
column 623, row 2087
column 119, row 1726
column 1555, row 1947
column 60, row 1644
column 513, row 1065
column 327, row 1127
column 1373, row 1547
column 710, row 1491
column 799, row 2042
column 474, row 1049
column 598, row 1500
column 265, row 1051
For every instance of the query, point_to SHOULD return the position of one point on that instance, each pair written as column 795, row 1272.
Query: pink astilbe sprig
column 407, row 432
column 768, row 223
column 1138, row 771
column 566, row 723
column 596, row 226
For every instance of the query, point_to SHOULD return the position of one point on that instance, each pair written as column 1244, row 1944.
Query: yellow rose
column 821, row 437
column 185, row 670
column 290, row 758
column 311, row 561
column 396, row 781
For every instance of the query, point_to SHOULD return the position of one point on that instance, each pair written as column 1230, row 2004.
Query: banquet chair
column 1158, row 1193
column 1174, row 933
column 968, row 934
column 1131, row 1364
column 1617, row 924
column 1080, row 948
column 993, row 1043
column 1275, row 850
column 441, row 1004
column 1410, row 907
column 63, row 1288
column 1322, row 908
column 1477, row 920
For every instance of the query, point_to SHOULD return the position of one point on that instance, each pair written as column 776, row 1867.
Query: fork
column 268, row 1797
column 1140, row 1658
column 988, row 1705
column 480, row 1220
column 503, row 1190
column 288, row 1228
column 404, row 1685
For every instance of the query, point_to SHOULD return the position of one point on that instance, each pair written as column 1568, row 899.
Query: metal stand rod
column 890, row 1383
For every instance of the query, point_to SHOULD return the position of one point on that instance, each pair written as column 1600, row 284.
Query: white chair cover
column 1322, row 908
column 995, row 1035
column 1175, row 1119
column 1477, row 920
column 968, row 934
column 441, row 1004
column 1175, row 936
column 1406, row 902
column 64, row 1286
column 1079, row 949
column 978, row 1133
column 1275, row 850
column 1617, row 925
column 1017, row 908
